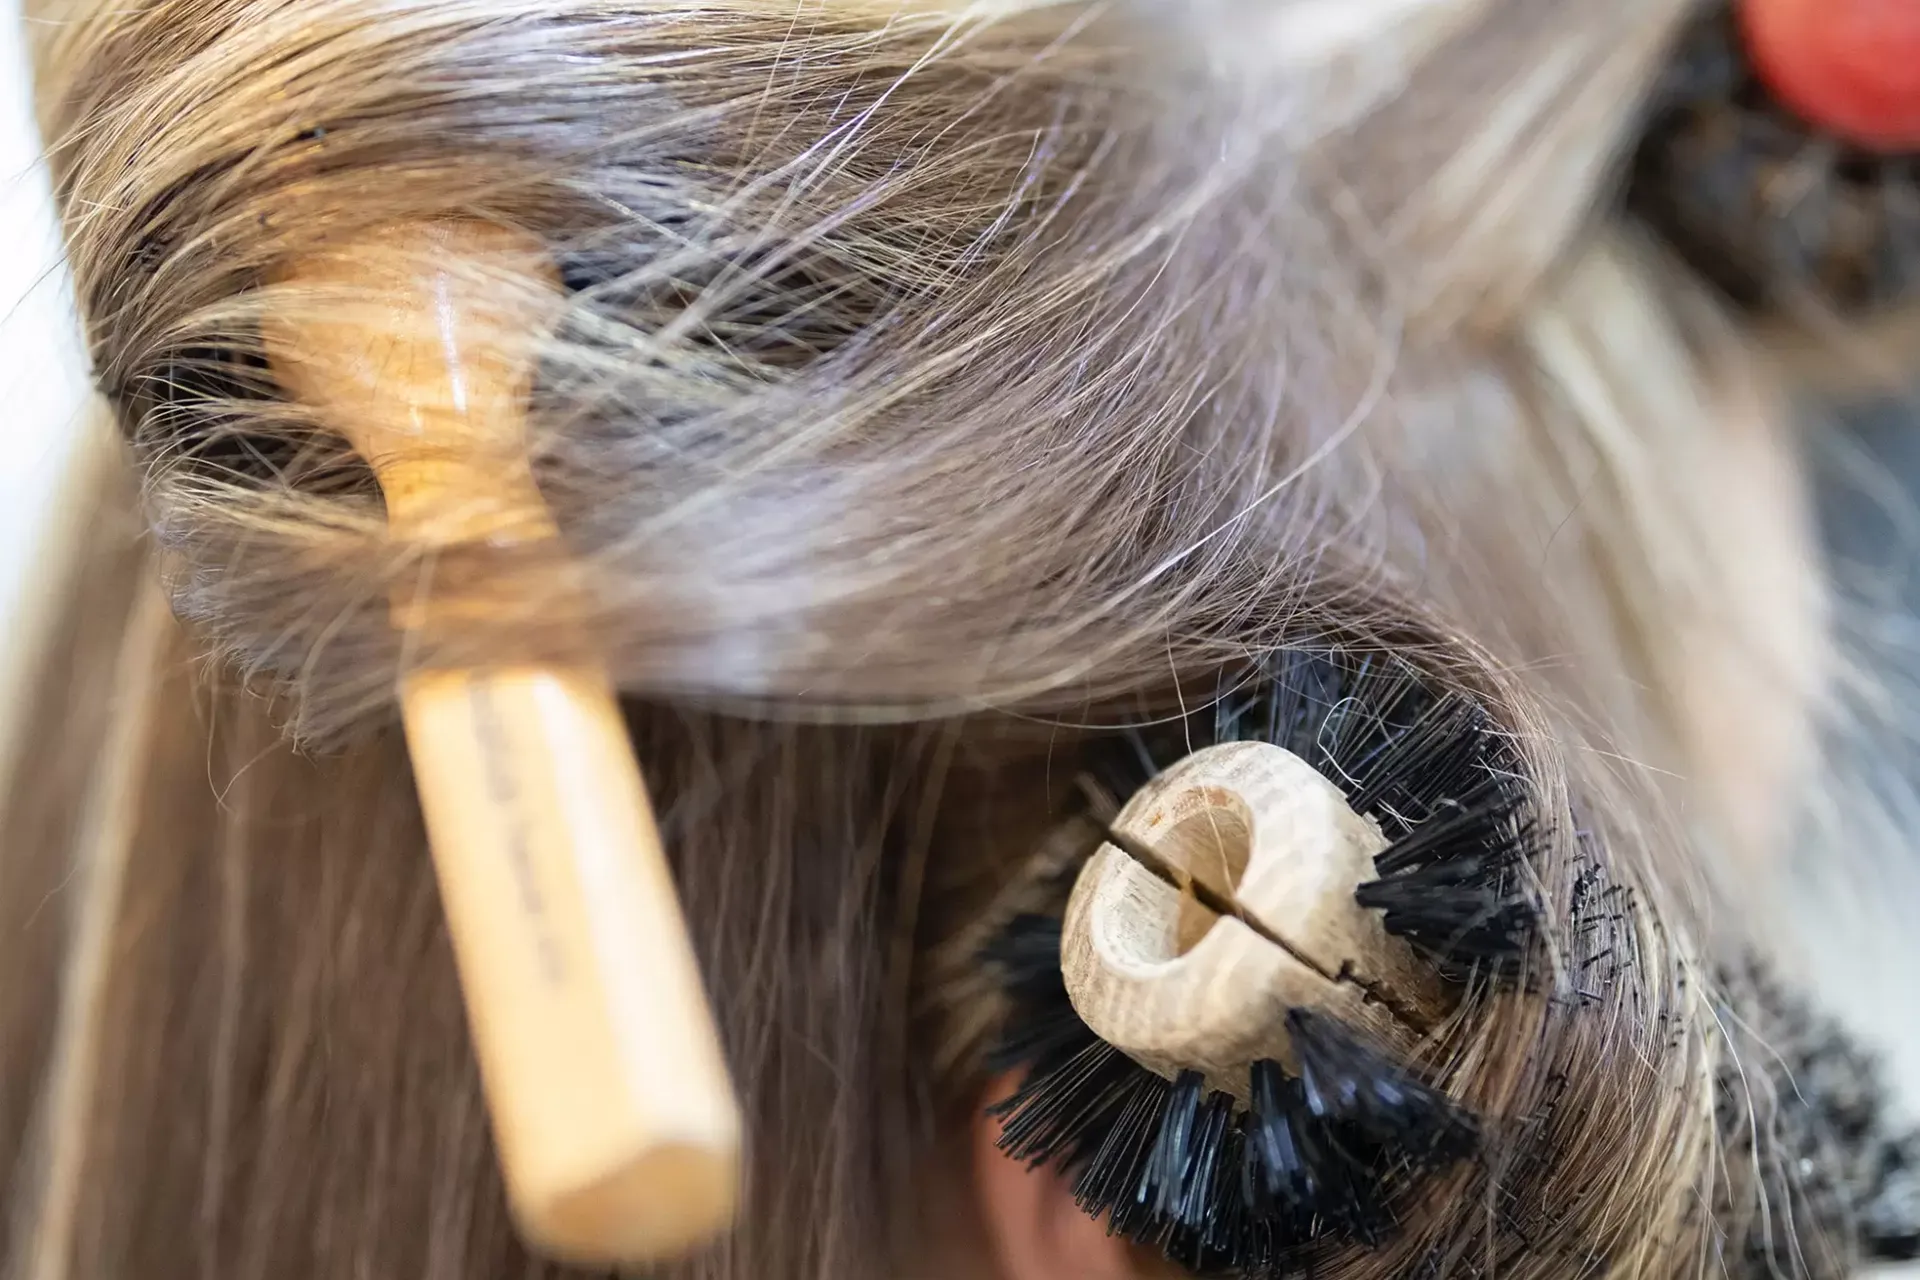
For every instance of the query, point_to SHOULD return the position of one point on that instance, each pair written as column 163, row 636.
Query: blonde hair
column 936, row 382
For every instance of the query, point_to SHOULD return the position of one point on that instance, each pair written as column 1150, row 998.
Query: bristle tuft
column 1348, row 1082
column 1455, row 885
column 1432, row 769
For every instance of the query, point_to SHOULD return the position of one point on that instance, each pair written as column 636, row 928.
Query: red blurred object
column 1851, row 67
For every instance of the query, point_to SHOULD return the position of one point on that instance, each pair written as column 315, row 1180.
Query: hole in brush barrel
column 1212, row 847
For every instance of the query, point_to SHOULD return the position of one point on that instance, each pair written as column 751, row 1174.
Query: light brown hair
column 937, row 385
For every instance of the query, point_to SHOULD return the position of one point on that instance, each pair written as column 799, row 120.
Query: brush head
column 1344, row 1142
column 1316, row 1130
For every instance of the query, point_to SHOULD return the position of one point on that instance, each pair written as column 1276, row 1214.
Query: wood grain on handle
column 618, row 1130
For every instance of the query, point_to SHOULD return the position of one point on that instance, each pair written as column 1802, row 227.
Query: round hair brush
column 616, row 1124
column 1215, row 1037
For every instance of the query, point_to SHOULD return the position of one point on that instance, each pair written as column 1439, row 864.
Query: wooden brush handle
column 611, row 1106
column 618, row 1130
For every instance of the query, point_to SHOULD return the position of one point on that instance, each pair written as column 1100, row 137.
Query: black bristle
column 1056, row 1114
column 1208, row 1167
column 1457, row 827
column 1168, row 1173
column 1313, row 1170
column 1279, row 1163
column 1829, row 1156
column 1026, row 955
column 1890, row 1208
column 1117, row 1167
column 1439, row 755
column 1349, row 1083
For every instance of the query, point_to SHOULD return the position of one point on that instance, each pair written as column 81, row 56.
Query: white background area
column 46, row 412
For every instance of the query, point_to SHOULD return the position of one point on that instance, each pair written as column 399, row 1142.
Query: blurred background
column 1859, row 926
